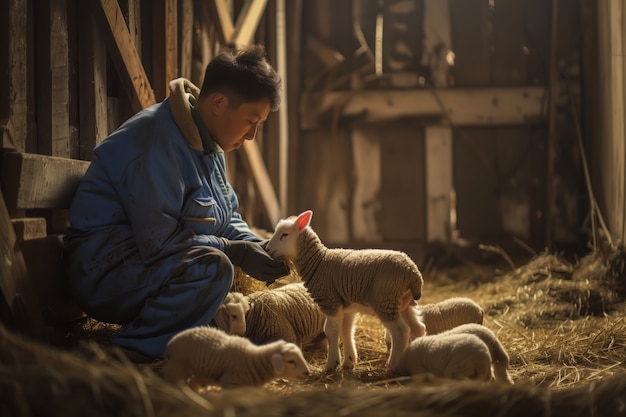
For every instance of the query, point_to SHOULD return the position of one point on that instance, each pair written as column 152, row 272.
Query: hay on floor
column 562, row 324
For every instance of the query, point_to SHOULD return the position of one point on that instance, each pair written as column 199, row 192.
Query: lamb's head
column 284, row 242
column 231, row 314
column 289, row 363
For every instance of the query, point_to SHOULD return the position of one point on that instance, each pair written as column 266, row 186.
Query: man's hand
column 254, row 260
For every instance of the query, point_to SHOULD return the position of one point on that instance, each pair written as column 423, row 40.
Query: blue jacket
column 147, row 184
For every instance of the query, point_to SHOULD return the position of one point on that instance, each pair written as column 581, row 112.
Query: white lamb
column 288, row 313
column 203, row 356
column 231, row 314
column 456, row 356
column 499, row 356
column 444, row 315
column 344, row 282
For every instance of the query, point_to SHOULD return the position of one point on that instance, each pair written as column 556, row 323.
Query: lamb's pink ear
column 304, row 219
column 278, row 363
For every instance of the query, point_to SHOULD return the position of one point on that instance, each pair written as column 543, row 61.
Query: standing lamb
column 203, row 356
column 288, row 313
column 231, row 314
column 457, row 356
column 346, row 282
column 499, row 356
column 444, row 315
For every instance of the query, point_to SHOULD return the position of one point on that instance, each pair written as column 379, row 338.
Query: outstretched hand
column 254, row 260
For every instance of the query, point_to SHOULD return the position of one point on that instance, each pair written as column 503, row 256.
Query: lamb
column 456, row 356
column 499, row 356
column 346, row 282
column 449, row 313
column 444, row 315
column 203, row 356
column 287, row 313
column 231, row 314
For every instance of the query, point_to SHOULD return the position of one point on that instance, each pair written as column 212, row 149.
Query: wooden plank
column 122, row 50
column 247, row 22
column 186, row 35
column 28, row 228
column 479, row 106
column 439, row 185
column 164, row 46
column 293, row 88
column 19, row 306
column 223, row 21
column 52, row 68
column 255, row 168
column 402, row 211
column 471, row 40
column 366, row 199
column 32, row 181
column 509, row 61
column 437, row 41
column 92, row 79
column 13, row 72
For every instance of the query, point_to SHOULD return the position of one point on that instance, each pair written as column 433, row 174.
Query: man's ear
column 219, row 101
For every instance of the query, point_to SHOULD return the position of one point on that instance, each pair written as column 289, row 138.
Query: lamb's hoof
column 348, row 366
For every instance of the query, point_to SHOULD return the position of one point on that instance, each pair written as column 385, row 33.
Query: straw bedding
column 561, row 322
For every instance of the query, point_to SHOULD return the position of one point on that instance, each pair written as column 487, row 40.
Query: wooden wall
column 608, row 97
column 504, row 164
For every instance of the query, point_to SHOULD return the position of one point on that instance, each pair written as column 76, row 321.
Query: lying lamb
column 456, row 356
column 444, row 315
column 231, row 314
column 344, row 282
column 499, row 356
column 203, row 356
column 287, row 313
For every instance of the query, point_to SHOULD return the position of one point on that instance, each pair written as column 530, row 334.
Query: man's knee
column 213, row 264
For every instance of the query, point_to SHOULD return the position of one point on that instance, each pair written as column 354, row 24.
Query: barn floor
column 561, row 321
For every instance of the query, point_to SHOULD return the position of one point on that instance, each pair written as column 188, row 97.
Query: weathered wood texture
column 19, row 306
column 610, row 149
column 44, row 182
column 123, row 52
column 13, row 74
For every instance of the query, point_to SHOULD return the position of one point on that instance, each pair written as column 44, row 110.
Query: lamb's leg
column 331, row 329
column 501, row 372
column 347, row 337
column 399, row 332
column 412, row 316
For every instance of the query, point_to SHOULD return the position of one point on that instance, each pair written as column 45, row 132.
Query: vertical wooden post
column 438, row 139
column 13, row 69
column 92, row 84
column 165, row 41
column 52, row 78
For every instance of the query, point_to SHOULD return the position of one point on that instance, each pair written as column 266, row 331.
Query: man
column 154, row 229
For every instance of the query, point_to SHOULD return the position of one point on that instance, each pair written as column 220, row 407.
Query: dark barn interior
column 484, row 138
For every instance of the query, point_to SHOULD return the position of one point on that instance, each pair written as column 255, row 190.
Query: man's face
column 231, row 125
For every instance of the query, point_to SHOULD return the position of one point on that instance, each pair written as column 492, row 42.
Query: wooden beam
column 123, row 52
column 224, row 21
column 255, row 167
column 164, row 46
column 31, row 181
column 472, row 107
column 248, row 21
column 439, row 183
